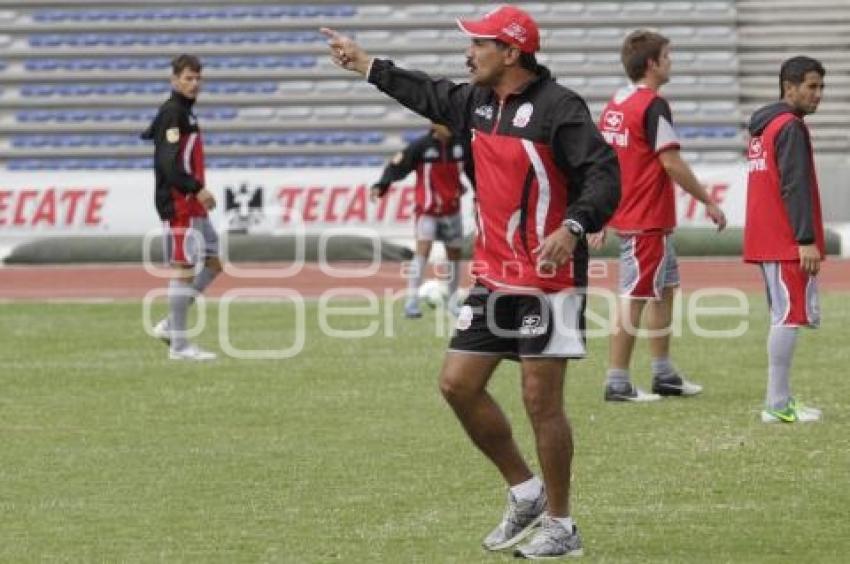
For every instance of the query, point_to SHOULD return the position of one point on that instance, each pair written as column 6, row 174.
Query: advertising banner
column 102, row 203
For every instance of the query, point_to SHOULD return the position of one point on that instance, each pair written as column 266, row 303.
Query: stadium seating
column 270, row 87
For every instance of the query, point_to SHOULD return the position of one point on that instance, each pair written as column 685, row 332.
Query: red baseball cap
column 508, row 24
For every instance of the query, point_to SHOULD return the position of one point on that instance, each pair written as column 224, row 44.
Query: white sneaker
column 551, row 541
column 520, row 519
column 794, row 412
column 162, row 331
column 191, row 352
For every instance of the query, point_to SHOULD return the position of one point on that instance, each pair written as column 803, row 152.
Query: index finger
column 331, row 34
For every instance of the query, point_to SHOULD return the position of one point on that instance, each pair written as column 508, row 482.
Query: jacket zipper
column 498, row 117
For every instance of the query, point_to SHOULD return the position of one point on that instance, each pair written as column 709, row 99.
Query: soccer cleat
column 191, row 352
column 627, row 391
column 520, row 517
column 411, row 309
column 551, row 541
column 794, row 412
column 675, row 386
column 162, row 331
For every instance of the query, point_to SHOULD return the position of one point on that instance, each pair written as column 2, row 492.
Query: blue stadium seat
column 688, row 132
column 260, row 138
column 43, row 16
column 412, row 135
column 27, row 141
column 23, row 164
column 29, row 90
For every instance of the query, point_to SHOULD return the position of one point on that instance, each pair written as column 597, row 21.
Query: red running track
column 95, row 282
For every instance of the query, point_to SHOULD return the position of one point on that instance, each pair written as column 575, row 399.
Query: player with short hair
column 543, row 177
column 783, row 232
column 438, row 159
column 182, row 203
column 638, row 123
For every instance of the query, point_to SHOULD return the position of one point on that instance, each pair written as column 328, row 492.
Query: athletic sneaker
column 675, row 386
column 411, row 309
column 162, row 332
column 794, row 412
column 521, row 516
column 551, row 541
column 626, row 391
column 191, row 352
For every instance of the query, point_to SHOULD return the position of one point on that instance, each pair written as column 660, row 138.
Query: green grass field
column 346, row 452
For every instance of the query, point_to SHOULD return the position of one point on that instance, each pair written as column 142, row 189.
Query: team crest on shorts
column 464, row 318
column 532, row 326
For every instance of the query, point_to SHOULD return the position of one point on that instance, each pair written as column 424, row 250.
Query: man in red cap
column 544, row 177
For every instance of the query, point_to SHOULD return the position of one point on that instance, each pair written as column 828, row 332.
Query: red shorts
column 792, row 294
column 647, row 265
column 189, row 240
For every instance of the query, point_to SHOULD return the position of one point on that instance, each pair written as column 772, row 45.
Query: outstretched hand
column 346, row 53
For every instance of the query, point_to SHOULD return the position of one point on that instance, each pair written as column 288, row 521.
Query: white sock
column 528, row 490
column 565, row 522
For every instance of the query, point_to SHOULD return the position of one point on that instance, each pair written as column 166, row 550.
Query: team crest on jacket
column 756, row 155
column 172, row 135
column 523, row 115
column 484, row 111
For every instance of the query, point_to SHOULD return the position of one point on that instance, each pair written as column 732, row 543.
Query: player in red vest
column 438, row 159
column 637, row 122
column 783, row 232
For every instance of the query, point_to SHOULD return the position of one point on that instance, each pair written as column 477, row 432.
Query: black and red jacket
column 439, row 168
column 178, row 158
column 538, row 159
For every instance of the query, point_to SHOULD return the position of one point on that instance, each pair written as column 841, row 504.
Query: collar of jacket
column 183, row 100
column 543, row 74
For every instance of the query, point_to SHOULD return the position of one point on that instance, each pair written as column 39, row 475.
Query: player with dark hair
column 182, row 203
column 543, row 177
column 783, row 231
column 438, row 159
column 638, row 123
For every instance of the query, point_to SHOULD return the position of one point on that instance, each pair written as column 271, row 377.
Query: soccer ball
column 434, row 292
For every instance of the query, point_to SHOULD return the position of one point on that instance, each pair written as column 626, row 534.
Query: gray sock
column 663, row 368
column 419, row 263
column 781, row 342
column 180, row 296
column 454, row 279
column 617, row 377
column 204, row 278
